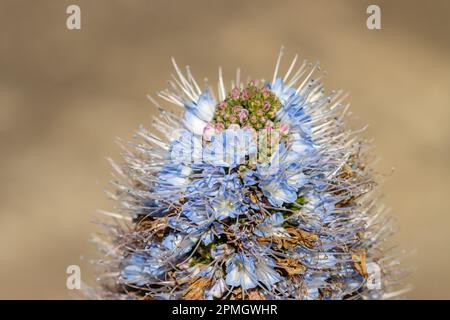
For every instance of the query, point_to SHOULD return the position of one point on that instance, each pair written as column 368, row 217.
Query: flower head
column 260, row 194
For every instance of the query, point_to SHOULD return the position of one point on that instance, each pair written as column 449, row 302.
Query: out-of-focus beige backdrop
column 66, row 95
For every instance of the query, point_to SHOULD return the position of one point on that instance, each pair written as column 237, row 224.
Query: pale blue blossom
column 199, row 112
column 271, row 226
column 230, row 148
column 278, row 191
column 241, row 272
column 265, row 272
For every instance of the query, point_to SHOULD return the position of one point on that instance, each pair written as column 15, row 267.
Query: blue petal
column 204, row 107
column 194, row 123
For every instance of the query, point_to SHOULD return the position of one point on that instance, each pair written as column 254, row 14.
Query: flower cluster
column 253, row 106
column 301, row 221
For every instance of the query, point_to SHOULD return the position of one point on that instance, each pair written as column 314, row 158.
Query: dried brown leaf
column 281, row 242
column 196, row 288
column 291, row 266
column 298, row 237
column 255, row 294
column 146, row 297
column 359, row 261
column 158, row 226
column 346, row 172
column 236, row 294
column 307, row 239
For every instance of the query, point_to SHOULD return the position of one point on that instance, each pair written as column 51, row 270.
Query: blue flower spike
column 256, row 191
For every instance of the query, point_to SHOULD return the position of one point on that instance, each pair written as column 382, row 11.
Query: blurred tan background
column 65, row 96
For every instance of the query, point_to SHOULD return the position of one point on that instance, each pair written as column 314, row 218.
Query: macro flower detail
column 256, row 191
column 199, row 113
column 241, row 272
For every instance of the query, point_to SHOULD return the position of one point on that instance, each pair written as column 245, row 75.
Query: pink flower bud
column 235, row 93
column 219, row 127
column 243, row 114
column 208, row 132
column 237, row 109
column 284, row 128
